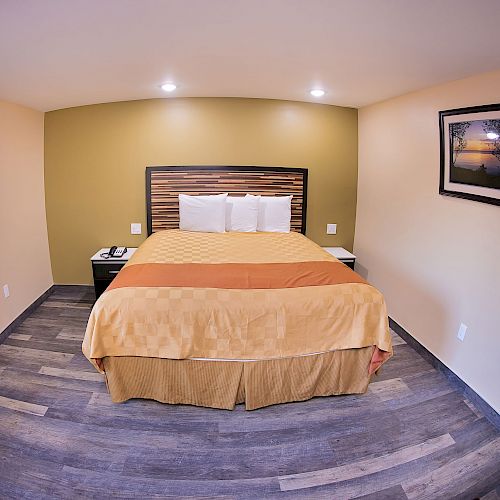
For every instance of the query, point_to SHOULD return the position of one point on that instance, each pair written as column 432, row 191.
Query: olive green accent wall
column 95, row 160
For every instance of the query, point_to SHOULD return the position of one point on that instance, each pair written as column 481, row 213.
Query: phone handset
column 114, row 252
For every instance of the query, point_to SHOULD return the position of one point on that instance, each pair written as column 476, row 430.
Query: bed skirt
column 223, row 384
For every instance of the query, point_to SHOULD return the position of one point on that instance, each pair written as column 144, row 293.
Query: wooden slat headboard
column 164, row 184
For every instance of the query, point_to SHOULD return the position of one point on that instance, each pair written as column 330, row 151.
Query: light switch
column 136, row 228
column 6, row 291
column 331, row 229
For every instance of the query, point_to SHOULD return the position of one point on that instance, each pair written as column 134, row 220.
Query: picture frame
column 470, row 153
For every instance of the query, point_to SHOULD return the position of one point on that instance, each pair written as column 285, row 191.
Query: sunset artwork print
column 475, row 153
column 469, row 150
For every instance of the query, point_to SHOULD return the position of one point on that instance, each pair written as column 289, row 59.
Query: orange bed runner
column 236, row 276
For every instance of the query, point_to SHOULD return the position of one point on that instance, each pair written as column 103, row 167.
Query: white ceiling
column 61, row 53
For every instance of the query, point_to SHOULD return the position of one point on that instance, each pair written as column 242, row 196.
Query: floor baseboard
column 454, row 379
column 10, row 328
column 72, row 287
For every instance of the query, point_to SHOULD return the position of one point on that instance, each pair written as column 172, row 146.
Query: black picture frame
column 460, row 188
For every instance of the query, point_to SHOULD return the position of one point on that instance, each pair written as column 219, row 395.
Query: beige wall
column 436, row 258
column 95, row 159
column 24, row 252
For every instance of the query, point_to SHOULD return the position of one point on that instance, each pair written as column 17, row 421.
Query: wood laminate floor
column 411, row 436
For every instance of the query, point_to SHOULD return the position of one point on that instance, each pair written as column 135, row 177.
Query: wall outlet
column 461, row 332
column 6, row 291
column 136, row 228
column 331, row 229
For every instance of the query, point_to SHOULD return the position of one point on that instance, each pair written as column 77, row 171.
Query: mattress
column 235, row 297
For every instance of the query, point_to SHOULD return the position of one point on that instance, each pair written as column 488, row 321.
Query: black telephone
column 115, row 252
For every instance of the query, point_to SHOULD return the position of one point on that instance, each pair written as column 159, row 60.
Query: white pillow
column 242, row 213
column 202, row 213
column 275, row 213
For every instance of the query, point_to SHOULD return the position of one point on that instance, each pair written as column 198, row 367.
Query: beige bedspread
column 207, row 322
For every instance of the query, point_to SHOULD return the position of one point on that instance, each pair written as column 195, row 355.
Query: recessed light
column 169, row 87
column 317, row 92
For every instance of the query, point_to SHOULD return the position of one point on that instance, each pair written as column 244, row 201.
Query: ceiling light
column 317, row 92
column 169, row 87
column 492, row 135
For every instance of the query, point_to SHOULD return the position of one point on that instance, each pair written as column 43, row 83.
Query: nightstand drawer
column 107, row 270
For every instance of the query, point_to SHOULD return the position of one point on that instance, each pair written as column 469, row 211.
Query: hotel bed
column 216, row 319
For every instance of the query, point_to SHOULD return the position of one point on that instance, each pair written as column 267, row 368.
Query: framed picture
column 470, row 153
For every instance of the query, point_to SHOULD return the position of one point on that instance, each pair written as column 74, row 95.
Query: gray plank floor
column 411, row 436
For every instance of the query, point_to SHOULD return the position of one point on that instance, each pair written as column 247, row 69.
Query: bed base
column 223, row 384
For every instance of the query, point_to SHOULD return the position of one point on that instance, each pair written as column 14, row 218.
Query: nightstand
column 104, row 270
column 343, row 255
